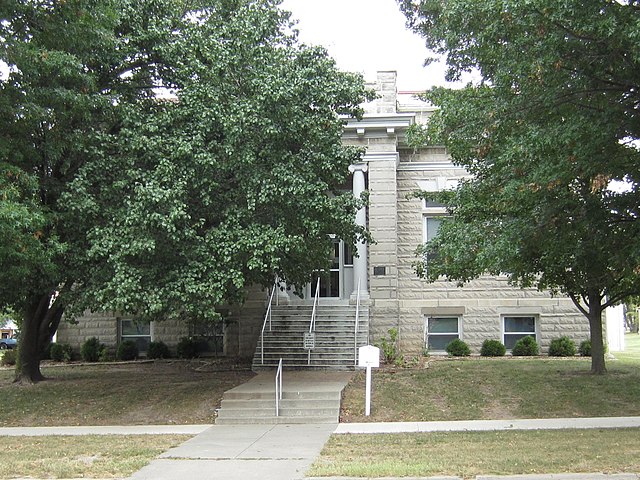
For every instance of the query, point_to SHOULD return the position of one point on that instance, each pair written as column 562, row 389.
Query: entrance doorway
column 338, row 281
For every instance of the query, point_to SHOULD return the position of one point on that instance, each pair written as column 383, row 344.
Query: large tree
column 550, row 125
column 159, row 156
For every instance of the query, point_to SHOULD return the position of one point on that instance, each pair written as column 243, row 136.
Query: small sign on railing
column 309, row 340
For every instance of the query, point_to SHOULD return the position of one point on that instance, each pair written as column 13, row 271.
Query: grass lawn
column 485, row 388
column 139, row 393
column 163, row 392
column 469, row 454
column 499, row 388
column 92, row 456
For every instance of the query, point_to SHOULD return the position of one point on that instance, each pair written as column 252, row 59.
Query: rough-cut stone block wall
column 481, row 303
column 241, row 332
column 103, row 326
column 383, row 287
column 246, row 323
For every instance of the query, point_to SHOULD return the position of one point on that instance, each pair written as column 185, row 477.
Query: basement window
column 136, row 331
column 517, row 327
column 440, row 331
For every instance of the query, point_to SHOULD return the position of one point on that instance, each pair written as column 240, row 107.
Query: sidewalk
column 487, row 425
column 285, row 452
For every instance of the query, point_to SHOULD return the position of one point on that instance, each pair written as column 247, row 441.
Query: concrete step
column 306, row 395
column 293, row 403
column 273, row 420
column 334, row 336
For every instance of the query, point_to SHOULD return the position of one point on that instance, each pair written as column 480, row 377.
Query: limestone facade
column 487, row 308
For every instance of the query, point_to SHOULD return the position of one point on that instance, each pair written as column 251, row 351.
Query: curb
column 105, row 430
column 537, row 476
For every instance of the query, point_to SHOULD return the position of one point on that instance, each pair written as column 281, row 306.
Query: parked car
column 8, row 343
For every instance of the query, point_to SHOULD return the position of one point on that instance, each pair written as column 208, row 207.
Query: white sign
column 309, row 340
column 369, row 356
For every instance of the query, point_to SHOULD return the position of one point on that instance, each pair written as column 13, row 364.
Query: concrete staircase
column 308, row 397
column 334, row 337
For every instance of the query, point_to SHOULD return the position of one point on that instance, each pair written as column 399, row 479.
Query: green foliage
column 91, row 349
column 562, row 347
column 127, row 350
column 187, row 348
column 458, row 348
column 61, row 352
column 525, row 347
column 158, row 350
column 493, row 348
column 585, row 348
column 389, row 347
column 165, row 209
column 8, row 357
column 631, row 320
column 543, row 135
column 106, row 355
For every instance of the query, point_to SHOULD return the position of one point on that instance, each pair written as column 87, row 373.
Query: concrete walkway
column 242, row 452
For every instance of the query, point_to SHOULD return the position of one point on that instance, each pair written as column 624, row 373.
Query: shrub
column 458, row 348
column 525, row 347
column 106, row 354
column 493, row 348
column 90, row 350
column 187, row 348
column 389, row 347
column 585, row 348
column 158, row 350
column 8, row 357
column 562, row 347
column 61, row 352
column 127, row 350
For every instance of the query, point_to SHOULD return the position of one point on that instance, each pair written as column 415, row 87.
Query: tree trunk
column 38, row 326
column 597, row 341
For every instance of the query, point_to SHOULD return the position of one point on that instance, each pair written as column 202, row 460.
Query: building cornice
column 379, row 125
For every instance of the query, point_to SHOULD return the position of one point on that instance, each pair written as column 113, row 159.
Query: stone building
column 381, row 278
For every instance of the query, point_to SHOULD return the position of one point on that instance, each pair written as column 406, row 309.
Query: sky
column 366, row 36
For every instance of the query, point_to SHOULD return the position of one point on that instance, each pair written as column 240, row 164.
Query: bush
column 525, row 347
column 107, row 354
column 91, row 349
column 493, row 348
column 562, row 347
column 585, row 348
column 457, row 348
column 8, row 357
column 187, row 348
column 61, row 352
column 127, row 350
column 389, row 347
column 158, row 350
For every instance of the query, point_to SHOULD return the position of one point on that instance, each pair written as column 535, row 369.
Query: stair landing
column 308, row 397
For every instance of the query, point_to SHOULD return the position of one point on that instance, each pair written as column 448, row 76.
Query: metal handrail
column 312, row 326
column 267, row 316
column 278, row 387
column 355, row 334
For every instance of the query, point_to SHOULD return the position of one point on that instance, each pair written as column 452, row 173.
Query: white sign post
column 368, row 357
